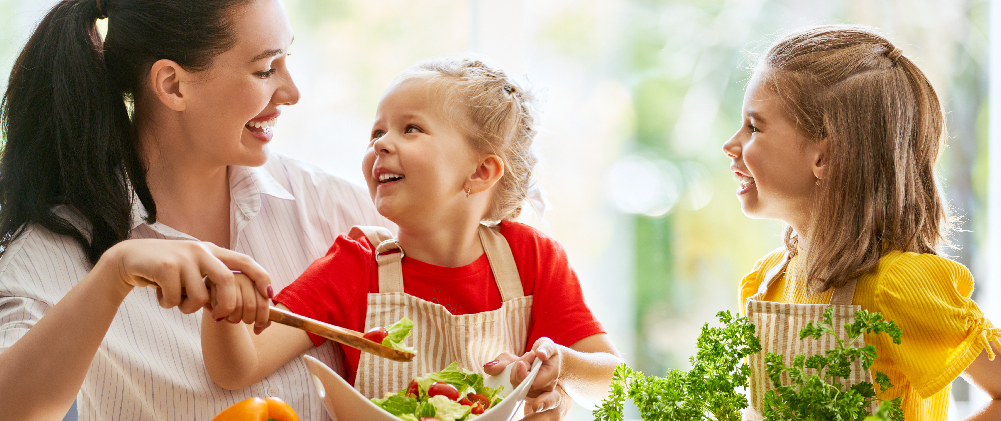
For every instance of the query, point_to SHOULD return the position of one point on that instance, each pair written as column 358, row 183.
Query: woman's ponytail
column 71, row 144
column 68, row 136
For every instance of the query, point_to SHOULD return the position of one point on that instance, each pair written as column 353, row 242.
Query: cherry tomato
column 465, row 401
column 480, row 399
column 446, row 389
column 414, row 389
column 376, row 334
column 477, row 409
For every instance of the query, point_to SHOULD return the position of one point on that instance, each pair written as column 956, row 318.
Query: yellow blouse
column 929, row 298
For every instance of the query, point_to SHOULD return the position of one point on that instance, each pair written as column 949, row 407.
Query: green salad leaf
column 398, row 404
column 413, row 408
column 397, row 333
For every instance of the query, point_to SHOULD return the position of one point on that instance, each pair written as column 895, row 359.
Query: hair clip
column 508, row 88
column 894, row 54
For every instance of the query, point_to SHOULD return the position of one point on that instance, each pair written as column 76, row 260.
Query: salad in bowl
column 452, row 394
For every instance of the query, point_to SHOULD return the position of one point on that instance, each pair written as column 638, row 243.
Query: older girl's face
column 776, row 166
column 234, row 104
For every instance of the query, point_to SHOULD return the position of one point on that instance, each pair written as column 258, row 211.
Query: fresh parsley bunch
column 706, row 392
column 817, row 390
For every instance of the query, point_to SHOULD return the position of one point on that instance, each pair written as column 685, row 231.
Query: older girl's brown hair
column 883, row 127
column 496, row 115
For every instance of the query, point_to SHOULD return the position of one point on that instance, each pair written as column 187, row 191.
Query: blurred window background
column 637, row 97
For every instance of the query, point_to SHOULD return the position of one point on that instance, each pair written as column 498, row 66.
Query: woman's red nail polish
column 490, row 364
column 271, row 292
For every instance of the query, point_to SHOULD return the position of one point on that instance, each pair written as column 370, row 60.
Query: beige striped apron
column 440, row 337
column 778, row 326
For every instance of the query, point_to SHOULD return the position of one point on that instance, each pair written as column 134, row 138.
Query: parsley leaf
column 710, row 387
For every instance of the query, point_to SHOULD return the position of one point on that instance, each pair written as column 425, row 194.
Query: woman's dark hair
column 70, row 138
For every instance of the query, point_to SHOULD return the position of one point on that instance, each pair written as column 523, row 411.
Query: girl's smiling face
column 776, row 165
column 418, row 161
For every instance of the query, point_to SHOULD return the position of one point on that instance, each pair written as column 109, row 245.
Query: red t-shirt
column 334, row 288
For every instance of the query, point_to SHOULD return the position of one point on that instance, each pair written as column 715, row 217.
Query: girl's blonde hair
column 884, row 127
column 497, row 117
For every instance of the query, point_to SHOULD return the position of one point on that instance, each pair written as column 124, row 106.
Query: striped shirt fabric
column 149, row 366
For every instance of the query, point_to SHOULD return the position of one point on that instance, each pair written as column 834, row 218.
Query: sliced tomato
column 477, row 409
column 465, row 401
column 376, row 334
column 442, row 388
column 414, row 390
column 480, row 399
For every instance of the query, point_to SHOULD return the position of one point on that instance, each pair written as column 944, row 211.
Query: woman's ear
column 165, row 80
column 818, row 150
column 488, row 172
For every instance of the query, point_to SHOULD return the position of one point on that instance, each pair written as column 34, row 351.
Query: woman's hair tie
column 508, row 88
column 894, row 55
column 100, row 11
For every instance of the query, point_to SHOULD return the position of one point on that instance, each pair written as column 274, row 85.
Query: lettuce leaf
column 397, row 405
column 397, row 333
column 448, row 410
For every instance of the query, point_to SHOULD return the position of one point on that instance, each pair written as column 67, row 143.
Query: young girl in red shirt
column 449, row 161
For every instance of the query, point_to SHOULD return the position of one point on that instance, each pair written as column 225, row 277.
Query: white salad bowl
column 344, row 403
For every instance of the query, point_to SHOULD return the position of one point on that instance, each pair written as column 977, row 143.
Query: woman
column 96, row 200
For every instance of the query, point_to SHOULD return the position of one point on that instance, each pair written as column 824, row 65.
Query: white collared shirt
column 149, row 366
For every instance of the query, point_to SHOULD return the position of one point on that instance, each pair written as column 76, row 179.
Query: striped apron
column 440, row 337
column 778, row 326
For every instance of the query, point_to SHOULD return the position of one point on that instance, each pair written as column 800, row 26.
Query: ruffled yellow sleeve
column 749, row 284
column 943, row 329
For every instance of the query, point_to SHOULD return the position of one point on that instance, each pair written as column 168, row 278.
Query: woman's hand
column 41, row 373
column 546, row 399
column 251, row 305
column 579, row 373
column 183, row 272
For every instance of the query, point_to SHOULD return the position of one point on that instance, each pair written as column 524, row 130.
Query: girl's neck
column 191, row 196
column 445, row 244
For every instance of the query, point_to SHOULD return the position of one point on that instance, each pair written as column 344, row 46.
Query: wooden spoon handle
column 338, row 334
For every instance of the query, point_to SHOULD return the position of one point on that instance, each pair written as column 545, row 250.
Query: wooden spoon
column 338, row 334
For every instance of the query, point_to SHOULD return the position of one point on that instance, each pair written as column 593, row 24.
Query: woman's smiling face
column 776, row 165
column 232, row 105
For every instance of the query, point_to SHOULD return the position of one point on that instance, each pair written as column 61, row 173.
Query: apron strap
column 773, row 275
column 845, row 294
column 388, row 255
column 501, row 262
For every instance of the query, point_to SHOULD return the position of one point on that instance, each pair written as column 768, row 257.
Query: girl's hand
column 179, row 270
column 546, row 400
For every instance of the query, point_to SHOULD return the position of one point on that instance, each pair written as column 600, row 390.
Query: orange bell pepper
column 257, row 409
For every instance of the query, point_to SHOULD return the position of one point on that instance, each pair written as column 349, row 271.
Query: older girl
column 840, row 136
column 91, row 190
column 449, row 161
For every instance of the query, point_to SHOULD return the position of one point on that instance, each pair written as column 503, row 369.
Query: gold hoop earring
column 468, row 189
